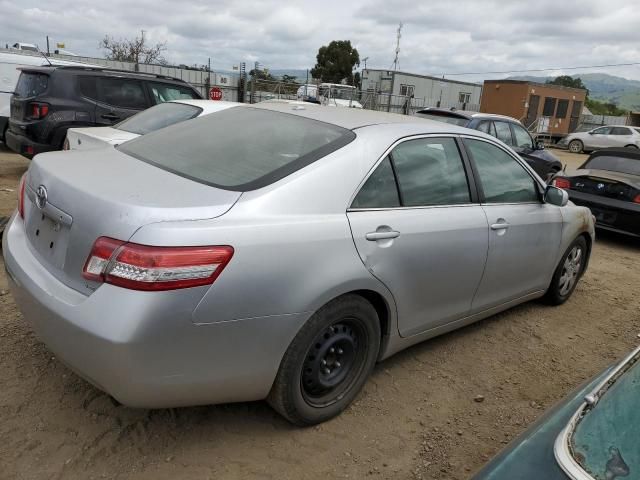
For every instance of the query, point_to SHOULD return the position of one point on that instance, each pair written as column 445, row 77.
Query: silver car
column 280, row 251
column 602, row 137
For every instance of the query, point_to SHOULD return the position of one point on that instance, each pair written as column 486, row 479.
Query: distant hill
column 623, row 92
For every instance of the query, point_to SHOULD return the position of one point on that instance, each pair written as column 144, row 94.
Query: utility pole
column 396, row 60
column 364, row 60
column 208, row 83
column 48, row 52
column 253, row 82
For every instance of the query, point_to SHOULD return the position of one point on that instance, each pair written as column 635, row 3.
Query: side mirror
column 540, row 146
column 556, row 196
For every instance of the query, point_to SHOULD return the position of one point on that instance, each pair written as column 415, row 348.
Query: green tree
column 289, row 78
column 567, row 81
column 336, row 61
column 604, row 108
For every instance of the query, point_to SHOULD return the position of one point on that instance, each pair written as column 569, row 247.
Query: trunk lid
column 97, row 137
column 104, row 192
column 603, row 183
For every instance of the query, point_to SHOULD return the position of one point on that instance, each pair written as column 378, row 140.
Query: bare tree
column 136, row 50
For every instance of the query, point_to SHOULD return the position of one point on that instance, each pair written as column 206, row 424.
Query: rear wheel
column 328, row 362
column 568, row 272
column 576, row 146
column 631, row 146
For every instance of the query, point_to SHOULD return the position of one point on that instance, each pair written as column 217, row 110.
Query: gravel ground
column 416, row 417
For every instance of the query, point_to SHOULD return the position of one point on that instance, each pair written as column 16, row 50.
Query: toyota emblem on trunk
column 41, row 197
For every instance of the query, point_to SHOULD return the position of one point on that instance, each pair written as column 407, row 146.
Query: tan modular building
column 551, row 110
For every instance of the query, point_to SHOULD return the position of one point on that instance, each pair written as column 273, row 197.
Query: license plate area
column 49, row 238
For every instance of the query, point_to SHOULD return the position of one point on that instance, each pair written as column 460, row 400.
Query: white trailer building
column 426, row 91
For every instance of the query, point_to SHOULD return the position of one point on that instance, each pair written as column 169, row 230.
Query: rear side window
column 488, row 128
column 503, row 179
column 380, row 189
column 122, row 92
column 158, row 117
column 163, row 92
column 430, row 172
column 31, row 84
column 620, row 131
column 503, row 132
column 239, row 148
column 88, row 87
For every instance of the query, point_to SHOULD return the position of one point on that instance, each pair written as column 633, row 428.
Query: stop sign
column 215, row 93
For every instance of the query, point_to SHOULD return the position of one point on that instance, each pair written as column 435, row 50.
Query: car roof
column 352, row 118
column 89, row 70
column 208, row 106
column 468, row 114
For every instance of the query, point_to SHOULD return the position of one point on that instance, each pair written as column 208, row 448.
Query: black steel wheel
column 328, row 361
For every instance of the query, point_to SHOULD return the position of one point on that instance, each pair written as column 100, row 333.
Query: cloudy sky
column 439, row 36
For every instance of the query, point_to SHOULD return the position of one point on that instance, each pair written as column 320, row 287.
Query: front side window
column 563, row 108
column 503, row 179
column 549, row 107
column 523, row 139
column 488, row 128
column 464, row 97
column 158, row 117
column 601, row 131
column 122, row 92
column 504, row 132
column 430, row 172
column 215, row 150
column 380, row 190
column 163, row 92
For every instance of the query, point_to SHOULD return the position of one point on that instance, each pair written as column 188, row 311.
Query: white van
column 10, row 62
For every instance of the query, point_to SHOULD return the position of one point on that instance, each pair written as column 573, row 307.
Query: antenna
column 364, row 60
column 396, row 60
column 45, row 57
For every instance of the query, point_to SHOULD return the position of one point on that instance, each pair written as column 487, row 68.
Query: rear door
column 418, row 228
column 119, row 98
column 524, row 232
column 620, row 137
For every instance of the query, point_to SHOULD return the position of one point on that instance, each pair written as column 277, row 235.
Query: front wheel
column 631, row 146
column 568, row 272
column 328, row 362
column 576, row 146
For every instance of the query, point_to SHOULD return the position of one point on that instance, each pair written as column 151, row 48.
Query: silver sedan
column 602, row 137
column 280, row 251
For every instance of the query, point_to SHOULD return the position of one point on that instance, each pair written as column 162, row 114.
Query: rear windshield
column 239, row 148
column 461, row 122
column 158, row 117
column 614, row 164
column 31, row 84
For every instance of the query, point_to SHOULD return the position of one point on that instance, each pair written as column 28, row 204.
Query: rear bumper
column 611, row 214
column 142, row 347
column 25, row 146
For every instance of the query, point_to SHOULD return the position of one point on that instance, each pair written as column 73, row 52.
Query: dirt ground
column 416, row 417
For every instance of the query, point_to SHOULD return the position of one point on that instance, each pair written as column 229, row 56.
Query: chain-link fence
column 406, row 104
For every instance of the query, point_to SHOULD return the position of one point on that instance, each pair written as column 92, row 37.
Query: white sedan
column 149, row 120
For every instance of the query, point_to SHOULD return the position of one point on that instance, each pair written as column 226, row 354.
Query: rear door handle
column 110, row 116
column 373, row 236
column 500, row 226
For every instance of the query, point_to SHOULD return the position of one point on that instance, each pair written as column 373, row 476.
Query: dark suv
column 49, row 100
column 507, row 129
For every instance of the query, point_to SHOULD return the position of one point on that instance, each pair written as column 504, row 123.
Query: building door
column 575, row 116
column 532, row 113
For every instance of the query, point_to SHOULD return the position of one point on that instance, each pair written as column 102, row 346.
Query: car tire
column 576, row 146
column 328, row 362
column 568, row 272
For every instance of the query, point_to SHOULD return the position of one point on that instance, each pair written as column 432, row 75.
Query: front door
column 532, row 112
column 524, row 232
column 598, row 138
column 424, row 236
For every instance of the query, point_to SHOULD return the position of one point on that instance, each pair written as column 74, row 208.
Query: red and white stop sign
column 215, row 93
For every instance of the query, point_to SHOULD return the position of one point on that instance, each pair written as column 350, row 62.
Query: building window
column 549, row 107
column 464, row 97
column 563, row 107
column 406, row 90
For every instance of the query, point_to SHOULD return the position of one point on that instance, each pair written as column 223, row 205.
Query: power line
column 543, row 69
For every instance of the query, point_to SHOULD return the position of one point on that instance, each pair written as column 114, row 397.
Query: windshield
column 31, row 84
column 605, row 439
column 614, row 164
column 461, row 122
column 239, row 148
column 158, row 117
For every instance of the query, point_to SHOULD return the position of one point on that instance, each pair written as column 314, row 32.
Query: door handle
column 110, row 116
column 500, row 226
column 374, row 236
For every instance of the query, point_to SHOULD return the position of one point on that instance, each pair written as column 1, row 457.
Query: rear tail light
column 561, row 182
column 66, row 145
column 637, row 199
column 21, row 195
column 144, row 267
column 38, row 110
